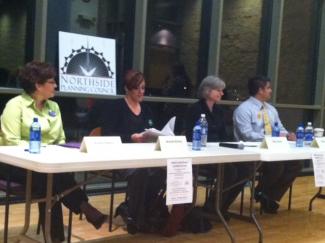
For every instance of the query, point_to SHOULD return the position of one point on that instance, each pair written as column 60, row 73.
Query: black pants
column 61, row 182
column 143, row 188
column 233, row 173
column 276, row 177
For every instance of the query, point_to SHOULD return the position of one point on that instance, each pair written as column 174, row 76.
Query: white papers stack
column 168, row 130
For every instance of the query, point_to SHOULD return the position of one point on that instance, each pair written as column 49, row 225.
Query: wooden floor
column 297, row 225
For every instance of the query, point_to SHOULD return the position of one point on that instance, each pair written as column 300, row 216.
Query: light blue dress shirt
column 248, row 120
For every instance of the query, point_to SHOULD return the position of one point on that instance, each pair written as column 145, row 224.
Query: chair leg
column 206, row 193
column 38, row 230
column 84, row 189
column 290, row 196
column 69, row 227
column 242, row 201
column 111, row 203
column 313, row 198
column 7, row 202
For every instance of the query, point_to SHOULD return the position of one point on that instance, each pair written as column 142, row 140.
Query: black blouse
column 119, row 120
column 216, row 124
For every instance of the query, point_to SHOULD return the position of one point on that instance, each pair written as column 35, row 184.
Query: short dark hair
column 132, row 79
column 257, row 82
column 35, row 72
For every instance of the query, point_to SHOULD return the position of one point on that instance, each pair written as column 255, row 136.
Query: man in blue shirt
column 253, row 120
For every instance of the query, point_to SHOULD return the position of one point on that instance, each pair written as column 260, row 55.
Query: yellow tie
column 267, row 124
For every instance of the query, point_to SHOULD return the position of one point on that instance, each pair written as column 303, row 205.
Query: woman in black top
column 210, row 93
column 122, row 121
column 213, row 114
column 128, row 118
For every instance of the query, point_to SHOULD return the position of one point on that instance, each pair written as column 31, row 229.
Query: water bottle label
column 196, row 136
column 300, row 136
column 309, row 137
column 35, row 135
column 204, row 130
column 196, row 139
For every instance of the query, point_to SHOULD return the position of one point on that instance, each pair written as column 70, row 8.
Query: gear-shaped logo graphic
column 87, row 62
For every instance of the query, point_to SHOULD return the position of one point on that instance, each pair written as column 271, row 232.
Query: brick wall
column 12, row 37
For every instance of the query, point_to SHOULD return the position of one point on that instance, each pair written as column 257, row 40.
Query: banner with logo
column 87, row 64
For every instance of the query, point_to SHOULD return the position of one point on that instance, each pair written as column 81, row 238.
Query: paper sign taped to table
column 275, row 143
column 179, row 181
column 100, row 144
column 319, row 169
column 171, row 143
column 318, row 143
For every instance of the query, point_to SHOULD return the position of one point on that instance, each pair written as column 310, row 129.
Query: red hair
column 132, row 79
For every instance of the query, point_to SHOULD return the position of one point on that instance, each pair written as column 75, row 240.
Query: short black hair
column 257, row 82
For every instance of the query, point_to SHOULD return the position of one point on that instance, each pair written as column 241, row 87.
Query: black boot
column 123, row 211
column 268, row 205
column 93, row 216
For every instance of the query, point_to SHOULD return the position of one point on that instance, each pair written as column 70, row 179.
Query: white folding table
column 56, row 159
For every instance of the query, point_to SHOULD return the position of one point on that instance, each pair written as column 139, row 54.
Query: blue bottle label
column 196, row 138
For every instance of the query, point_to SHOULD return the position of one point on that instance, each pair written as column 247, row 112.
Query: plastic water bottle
column 204, row 130
column 35, row 137
column 300, row 135
column 309, row 134
column 276, row 130
column 196, row 139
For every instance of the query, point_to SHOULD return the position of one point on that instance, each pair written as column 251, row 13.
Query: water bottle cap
column 308, row 123
column 202, row 115
column 35, row 119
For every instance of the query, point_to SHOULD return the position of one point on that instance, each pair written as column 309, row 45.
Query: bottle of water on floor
column 35, row 137
column 300, row 136
column 204, row 130
column 196, row 138
column 309, row 134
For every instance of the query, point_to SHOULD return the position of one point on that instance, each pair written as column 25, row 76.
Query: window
column 16, row 38
column 295, row 80
column 241, row 27
column 173, row 47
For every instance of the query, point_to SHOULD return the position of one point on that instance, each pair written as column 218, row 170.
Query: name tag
column 318, row 142
column 100, row 144
column 171, row 143
column 275, row 143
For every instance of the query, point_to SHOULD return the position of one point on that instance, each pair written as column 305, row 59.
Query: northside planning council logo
column 87, row 64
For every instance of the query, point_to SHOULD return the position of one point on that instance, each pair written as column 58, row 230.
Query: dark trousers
column 276, row 177
column 61, row 182
column 233, row 173
column 143, row 188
